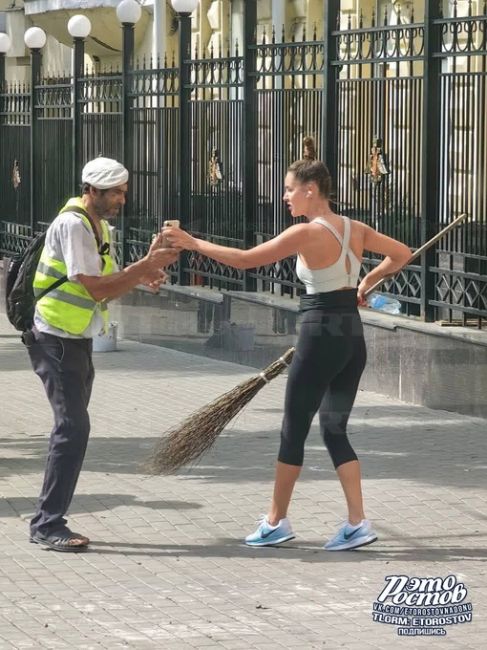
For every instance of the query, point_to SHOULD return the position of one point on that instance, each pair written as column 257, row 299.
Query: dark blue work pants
column 66, row 370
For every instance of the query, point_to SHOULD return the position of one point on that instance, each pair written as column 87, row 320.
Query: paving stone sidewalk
column 167, row 568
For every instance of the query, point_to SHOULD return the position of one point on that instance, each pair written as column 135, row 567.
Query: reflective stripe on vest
column 46, row 270
column 70, row 307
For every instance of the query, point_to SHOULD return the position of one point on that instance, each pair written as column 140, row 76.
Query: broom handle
column 419, row 252
column 288, row 355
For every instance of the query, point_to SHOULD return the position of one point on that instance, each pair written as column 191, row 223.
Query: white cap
column 104, row 173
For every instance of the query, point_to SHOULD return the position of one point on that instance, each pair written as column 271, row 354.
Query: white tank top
column 335, row 276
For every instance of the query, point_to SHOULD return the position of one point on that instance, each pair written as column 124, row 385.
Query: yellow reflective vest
column 70, row 307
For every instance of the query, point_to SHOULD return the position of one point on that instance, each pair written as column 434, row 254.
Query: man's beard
column 102, row 212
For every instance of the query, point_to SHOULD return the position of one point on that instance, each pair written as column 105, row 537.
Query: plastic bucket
column 106, row 341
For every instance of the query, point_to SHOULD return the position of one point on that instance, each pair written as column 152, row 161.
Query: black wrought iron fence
column 398, row 111
column 100, row 109
column 380, row 136
column 15, row 161
column 289, row 98
column 154, row 112
column 52, row 147
column 460, row 275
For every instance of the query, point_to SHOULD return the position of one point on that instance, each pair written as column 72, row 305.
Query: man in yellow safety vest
column 79, row 271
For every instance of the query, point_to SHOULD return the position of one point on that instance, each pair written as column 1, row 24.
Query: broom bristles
column 187, row 442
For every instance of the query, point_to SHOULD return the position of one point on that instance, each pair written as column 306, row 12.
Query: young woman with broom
column 330, row 353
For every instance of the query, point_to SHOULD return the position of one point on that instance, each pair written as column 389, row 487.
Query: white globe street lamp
column 5, row 43
column 35, row 38
column 79, row 26
column 129, row 12
column 184, row 6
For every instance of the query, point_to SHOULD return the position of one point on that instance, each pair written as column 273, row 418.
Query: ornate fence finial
column 16, row 175
column 214, row 174
column 376, row 167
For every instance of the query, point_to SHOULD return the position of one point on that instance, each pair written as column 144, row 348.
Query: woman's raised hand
column 179, row 239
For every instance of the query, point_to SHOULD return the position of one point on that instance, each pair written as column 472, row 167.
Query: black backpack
column 19, row 292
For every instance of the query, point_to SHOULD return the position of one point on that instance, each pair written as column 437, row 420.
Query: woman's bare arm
column 396, row 254
column 278, row 248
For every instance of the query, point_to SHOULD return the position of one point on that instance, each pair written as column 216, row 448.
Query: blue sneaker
column 349, row 537
column 267, row 535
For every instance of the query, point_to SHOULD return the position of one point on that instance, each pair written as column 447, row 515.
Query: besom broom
column 187, row 442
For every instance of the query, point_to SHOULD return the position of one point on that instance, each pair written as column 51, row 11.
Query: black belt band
column 343, row 298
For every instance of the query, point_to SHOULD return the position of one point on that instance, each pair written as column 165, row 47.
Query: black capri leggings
column 324, row 375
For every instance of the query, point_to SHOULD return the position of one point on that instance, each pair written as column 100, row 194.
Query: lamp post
column 184, row 9
column 430, row 165
column 250, row 162
column 128, row 13
column 35, row 39
column 4, row 48
column 331, row 13
column 79, row 27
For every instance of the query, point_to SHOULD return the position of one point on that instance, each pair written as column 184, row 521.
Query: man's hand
column 158, row 258
column 148, row 271
column 154, row 285
column 154, row 261
column 156, row 242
